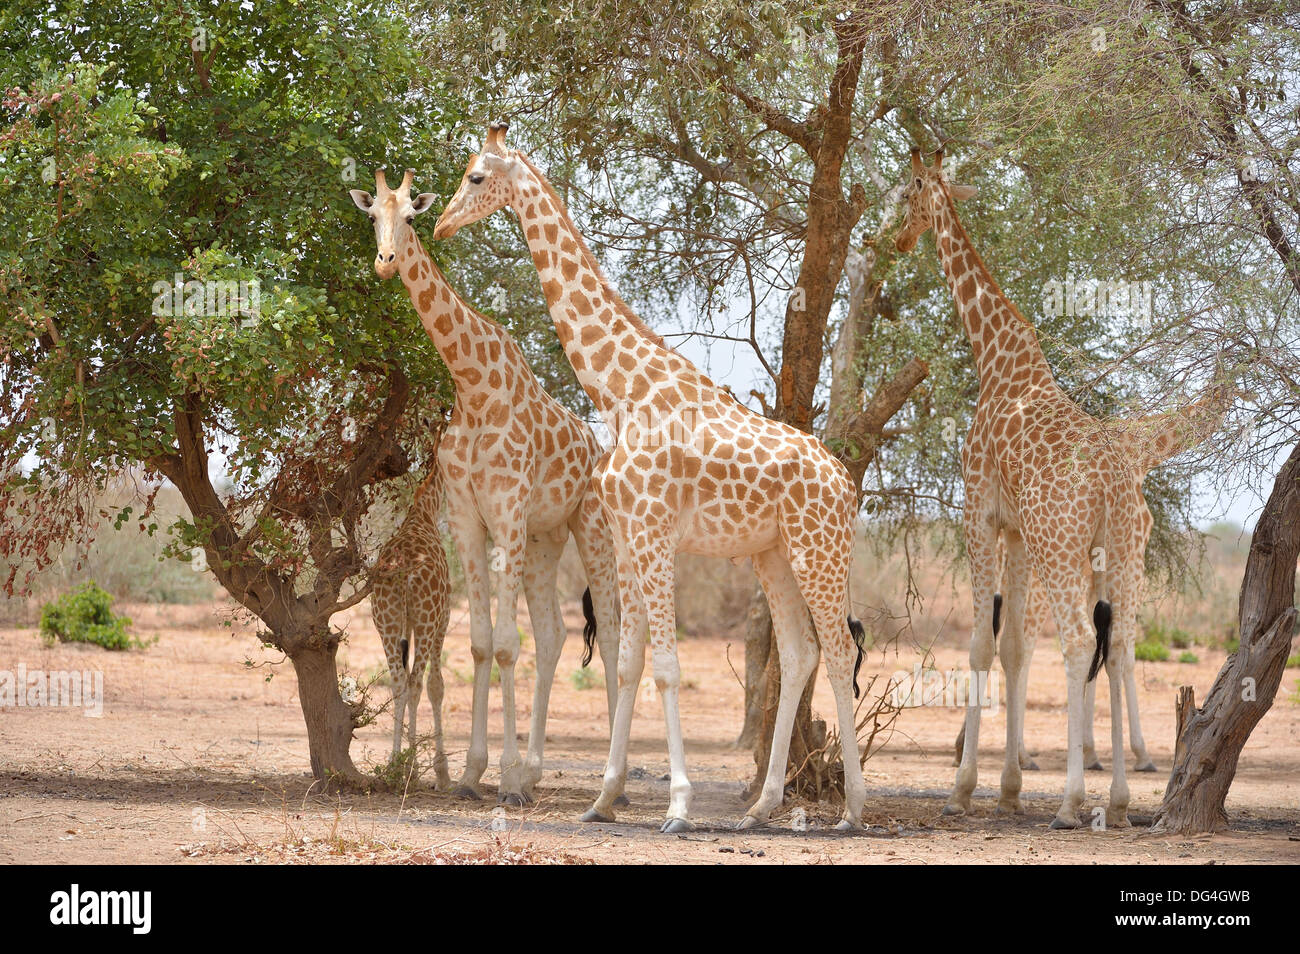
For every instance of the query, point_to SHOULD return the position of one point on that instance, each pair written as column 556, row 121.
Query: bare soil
column 201, row 758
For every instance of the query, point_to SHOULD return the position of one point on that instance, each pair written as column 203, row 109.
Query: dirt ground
column 200, row 758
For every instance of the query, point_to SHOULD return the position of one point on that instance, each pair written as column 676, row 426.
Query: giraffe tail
column 997, row 616
column 860, row 640
column 589, row 628
column 1101, row 620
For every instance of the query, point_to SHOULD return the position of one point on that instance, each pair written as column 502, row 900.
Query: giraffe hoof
column 749, row 821
column 676, row 826
column 1012, row 807
column 591, row 815
column 847, row 824
column 1029, row 766
column 1147, row 766
column 1096, row 766
column 622, row 802
column 1061, row 824
column 467, row 791
column 514, row 799
column 1117, row 819
column 953, row 810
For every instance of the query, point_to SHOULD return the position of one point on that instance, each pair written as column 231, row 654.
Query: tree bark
column 1213, row 736
column 328, row 717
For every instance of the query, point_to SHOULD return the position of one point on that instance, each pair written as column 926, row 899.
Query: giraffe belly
column 722, row 529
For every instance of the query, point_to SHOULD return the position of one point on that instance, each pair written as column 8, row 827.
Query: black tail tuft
column 860, row 639
column 406, row 654
column 997, row 616
column 1100, row 619
column 589, row 630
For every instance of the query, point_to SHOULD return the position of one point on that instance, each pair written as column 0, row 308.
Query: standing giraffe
column 1156, row 438
column 517, row 468
column 692, row 470
column 410, row 602
column 1060, row 488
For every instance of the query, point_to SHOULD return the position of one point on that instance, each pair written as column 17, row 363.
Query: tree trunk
column 758, row 644
column 1213, row 736
column 328, row 717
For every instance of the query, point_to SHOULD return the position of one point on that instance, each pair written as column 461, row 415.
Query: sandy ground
column 200, row 757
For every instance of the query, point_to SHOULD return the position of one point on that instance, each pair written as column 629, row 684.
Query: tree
column 213, row 146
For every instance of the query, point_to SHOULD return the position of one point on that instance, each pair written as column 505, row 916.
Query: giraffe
column 1159, row 437
column 691, row 470
column 516, row 466
column 411, row 602
column 1060, row 489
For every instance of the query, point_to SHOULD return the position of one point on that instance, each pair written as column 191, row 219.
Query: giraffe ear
column 364, row 200
column 423, row 202
column 960, row 192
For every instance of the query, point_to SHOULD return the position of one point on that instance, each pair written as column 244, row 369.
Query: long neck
column 617, row 359
column 1006, row 348
column 471, row 345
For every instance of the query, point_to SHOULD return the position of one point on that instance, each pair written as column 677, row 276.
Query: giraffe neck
column 421, row 523
column 1007, row 353
column 617, row 359
column 471, row 345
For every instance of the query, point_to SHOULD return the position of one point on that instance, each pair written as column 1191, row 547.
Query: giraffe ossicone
column 516, row 468
column 723, row 481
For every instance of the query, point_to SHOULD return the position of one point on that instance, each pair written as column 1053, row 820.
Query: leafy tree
column 140, row 141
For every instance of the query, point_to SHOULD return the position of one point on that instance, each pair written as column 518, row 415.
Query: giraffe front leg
column 508, row 559
column 1011, row 649
column 981, row 545
column 541, row 564
column 1138, row 744
column 471, row 544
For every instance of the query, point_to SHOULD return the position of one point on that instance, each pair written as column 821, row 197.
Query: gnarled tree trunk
column 1213, row 736
column 329, row 719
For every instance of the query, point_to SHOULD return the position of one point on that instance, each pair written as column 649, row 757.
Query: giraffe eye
column 410, row 219
column 477, row 178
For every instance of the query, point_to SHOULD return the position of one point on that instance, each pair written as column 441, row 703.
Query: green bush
column 1293, row 661
column 1150, row 651
column 86, row 616
column 585, row 678
column 1189, row 658
column 1154, row 631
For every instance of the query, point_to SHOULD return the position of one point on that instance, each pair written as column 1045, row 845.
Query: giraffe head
column 926, row 194
column 392, row 211
column 488, row 185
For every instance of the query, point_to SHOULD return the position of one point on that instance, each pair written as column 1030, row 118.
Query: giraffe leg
column 592, row 535
column 415, row 677
column 595, row 542
column 822, row 582
column 981, row 545
column 1138, row 744
column 508, row 555
column 388, row 613
column 1069, row 598
column 631, row 663
column 1091, row 762
column 1123, row 636
column 436, row 689
column 1011, row 649
column 792, row 628
column 1035, row 604
column 541, row 564
column 471, row 543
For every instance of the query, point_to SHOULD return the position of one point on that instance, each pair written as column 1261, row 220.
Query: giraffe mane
column 964, row 236
column 620, row 306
